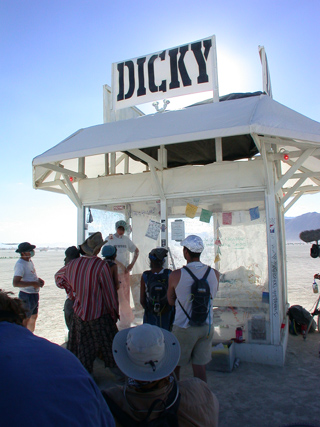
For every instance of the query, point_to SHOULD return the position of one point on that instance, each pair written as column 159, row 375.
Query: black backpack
column 300, row 316
column 201, row 295
column 167, row 418
column 156, row 291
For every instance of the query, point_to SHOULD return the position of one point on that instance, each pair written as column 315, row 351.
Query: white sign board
column 177, row 230
column 182, row 70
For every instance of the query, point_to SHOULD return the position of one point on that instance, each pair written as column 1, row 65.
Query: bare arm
column 19, row 283
column 142, row 292
column 174, row 279
column 135, row 257
column 115, row 277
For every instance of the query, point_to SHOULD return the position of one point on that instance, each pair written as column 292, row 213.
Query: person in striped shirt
column 88, row 281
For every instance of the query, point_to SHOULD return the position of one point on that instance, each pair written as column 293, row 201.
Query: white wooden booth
column 239, row 165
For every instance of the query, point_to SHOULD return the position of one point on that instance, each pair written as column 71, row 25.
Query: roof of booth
column 255, row 114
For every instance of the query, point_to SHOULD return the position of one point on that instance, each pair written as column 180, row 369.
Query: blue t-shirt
column 42, row 384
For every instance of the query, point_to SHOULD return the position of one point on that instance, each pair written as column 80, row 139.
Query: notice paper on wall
column 177, row 230
column 153, row 230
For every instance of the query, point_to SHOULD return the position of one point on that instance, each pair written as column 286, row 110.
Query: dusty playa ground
column 255, row 395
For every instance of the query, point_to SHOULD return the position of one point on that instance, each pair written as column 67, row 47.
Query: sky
column 56, row 55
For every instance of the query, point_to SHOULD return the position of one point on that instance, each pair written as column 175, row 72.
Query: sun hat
column 108, row 251
column 146, row 352
column 25, row 247
column 121, row 223
column 158, row 253
column 93, row 244
column 193, row 243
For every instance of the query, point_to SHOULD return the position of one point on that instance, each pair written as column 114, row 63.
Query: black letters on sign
column 142, row 89
column 152, row 86
column 196, row 49
column 178, row 70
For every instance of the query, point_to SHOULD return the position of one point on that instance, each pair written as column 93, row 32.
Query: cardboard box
column 223, row 355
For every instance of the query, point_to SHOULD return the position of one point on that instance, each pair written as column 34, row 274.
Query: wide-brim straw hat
column 146, row 352
column 93, row 244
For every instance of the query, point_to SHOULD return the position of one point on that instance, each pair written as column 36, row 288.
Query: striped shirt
column 88, row 281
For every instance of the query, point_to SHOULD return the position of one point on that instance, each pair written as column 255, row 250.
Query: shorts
column 195, row 343
column 31, row 303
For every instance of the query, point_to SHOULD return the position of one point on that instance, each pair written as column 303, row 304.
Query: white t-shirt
column 26, row 270
column 124, row 246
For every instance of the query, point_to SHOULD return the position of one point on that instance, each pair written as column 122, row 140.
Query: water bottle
column 315, row 287
column 239, row 336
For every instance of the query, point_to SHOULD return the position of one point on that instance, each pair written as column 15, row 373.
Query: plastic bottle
column 239, row 336
column 315, row 287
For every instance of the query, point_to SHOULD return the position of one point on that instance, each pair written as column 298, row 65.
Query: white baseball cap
column 193, row 243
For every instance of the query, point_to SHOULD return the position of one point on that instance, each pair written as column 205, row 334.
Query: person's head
column 109, row 252
column 71, row 253
column 121, row 227
column 157, row 257
column 146, row 353
column 92, row 245
column 12, row 309
column 26, row 250
column 192, row 247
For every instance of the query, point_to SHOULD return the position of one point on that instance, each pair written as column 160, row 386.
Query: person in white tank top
column 195, row 341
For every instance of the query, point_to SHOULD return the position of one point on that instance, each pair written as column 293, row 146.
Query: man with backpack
column 152, row 396
column 192, row 290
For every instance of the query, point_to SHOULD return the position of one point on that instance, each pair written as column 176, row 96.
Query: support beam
column 293, row 201
column 293, row 169
column 265, row 165
column 146, row 158
column 106, row 164
column 63, row 170
column 112, row 163
column 73, row 191
column 43, row 177
column 292, row 154
column 218, row 148
column 157, row 182
column 292, row 190
column 68, row 193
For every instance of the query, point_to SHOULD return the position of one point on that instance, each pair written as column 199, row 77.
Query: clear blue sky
column 56, row 55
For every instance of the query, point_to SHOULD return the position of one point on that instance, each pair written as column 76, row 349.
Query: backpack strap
column 196, row 278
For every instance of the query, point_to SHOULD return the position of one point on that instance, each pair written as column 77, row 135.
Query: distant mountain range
column 294, row 226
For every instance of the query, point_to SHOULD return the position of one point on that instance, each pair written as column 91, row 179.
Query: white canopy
column 259, row 115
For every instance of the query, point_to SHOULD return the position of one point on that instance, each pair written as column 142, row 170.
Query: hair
column 193, row 255
column 156, row 262
column 11, row 309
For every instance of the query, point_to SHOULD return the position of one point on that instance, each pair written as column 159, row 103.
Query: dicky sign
column 182, row 70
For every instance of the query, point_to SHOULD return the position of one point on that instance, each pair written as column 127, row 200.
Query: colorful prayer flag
column 254, row 213
column 226, row 218
column 205, row 215
column 191, row 210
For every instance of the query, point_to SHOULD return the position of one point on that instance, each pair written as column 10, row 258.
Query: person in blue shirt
column 42, row 383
